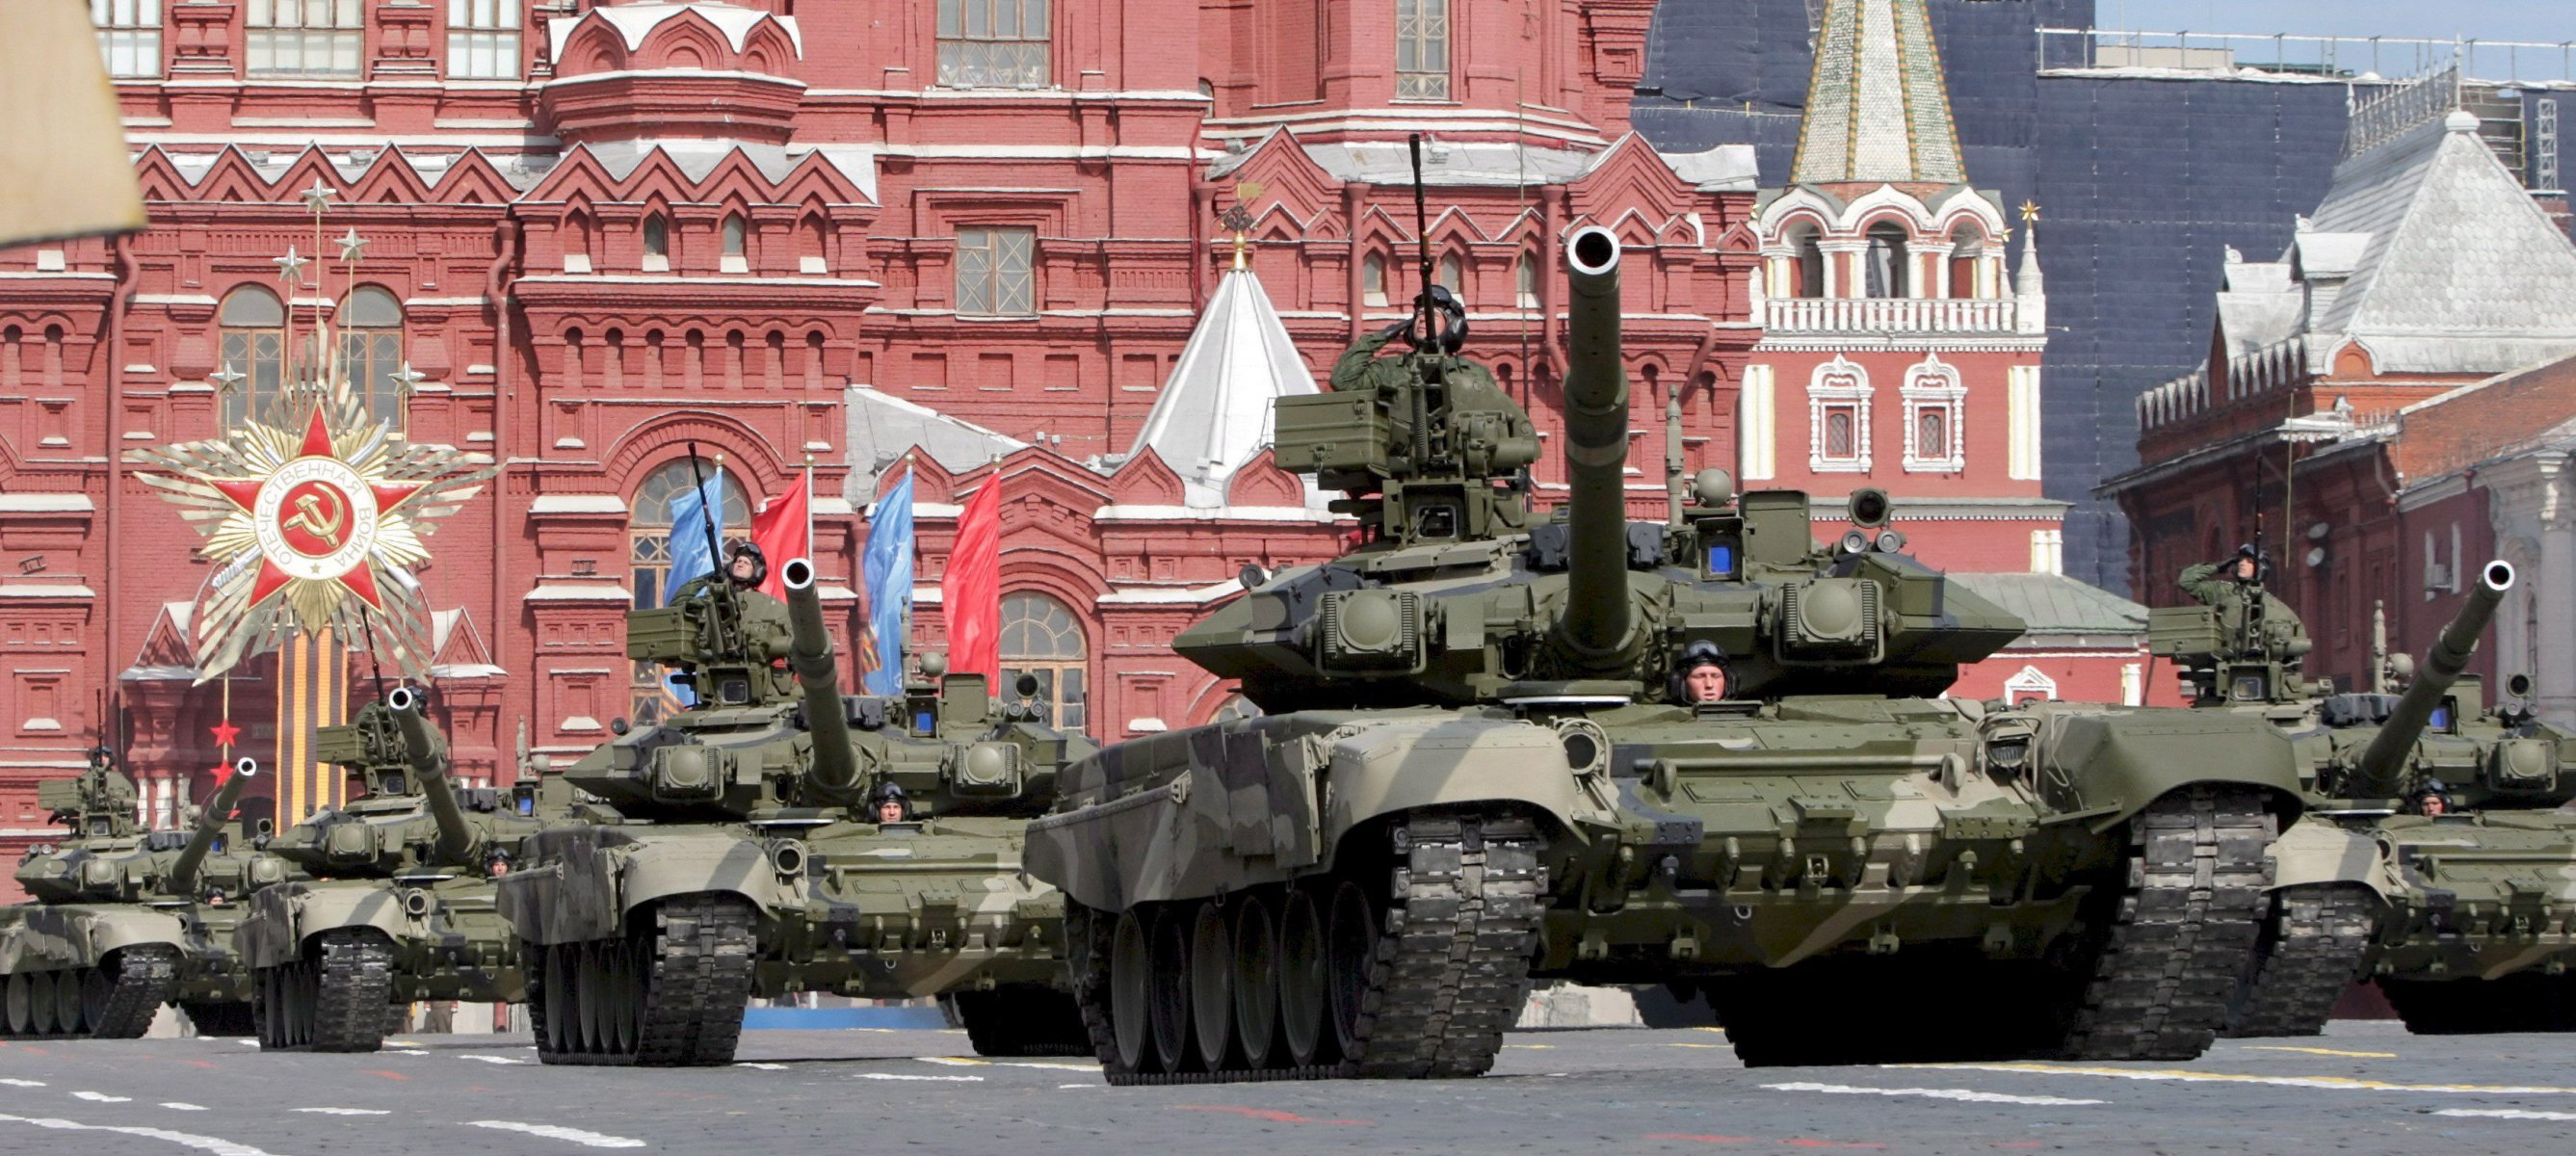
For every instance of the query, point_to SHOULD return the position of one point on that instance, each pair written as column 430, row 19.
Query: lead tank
column 737, row 850
column 1474, row 773
column 120, row 923
column 400, row 905
column 2462, row 917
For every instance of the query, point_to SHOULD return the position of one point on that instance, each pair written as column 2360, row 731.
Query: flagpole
column 809, row 505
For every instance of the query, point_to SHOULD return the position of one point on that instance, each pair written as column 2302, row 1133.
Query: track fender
column 49, row 938
column 2106, row 767
column 1384, row 768
column 2315, row 852
column 585, row 881
column 282, row 919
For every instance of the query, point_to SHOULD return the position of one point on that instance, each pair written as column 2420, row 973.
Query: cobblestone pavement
column 2364, row 1087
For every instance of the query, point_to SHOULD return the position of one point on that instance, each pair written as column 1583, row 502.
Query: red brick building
column 973, row 238
column 2384, row 398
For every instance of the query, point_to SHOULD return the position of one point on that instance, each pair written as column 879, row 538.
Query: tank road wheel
column 2311, row 949
column 1349, row 951
column 40, row 1003
column 1130, row 985
column 353, row 985
column 2159, row 973
column 1167, row 988
column 18, row 1005
column 67, row 1001
column 549, row 1004
column 626, row 1005
column 590, row 960
column 1255, row 980
column 1212, row 986
column 119, row 1000
column 1304, row 1002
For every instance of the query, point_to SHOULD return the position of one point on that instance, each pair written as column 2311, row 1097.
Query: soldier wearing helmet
column 889, row 805
column 1701, row 676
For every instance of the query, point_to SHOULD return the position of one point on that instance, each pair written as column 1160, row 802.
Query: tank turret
column 2382, row 766
column 1459, row 596
column 426, row 753
column 181, row 879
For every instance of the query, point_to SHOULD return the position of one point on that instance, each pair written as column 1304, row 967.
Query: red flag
column 779, row 530
column 970, row 592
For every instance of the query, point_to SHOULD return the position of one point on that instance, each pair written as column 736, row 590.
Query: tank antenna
column 706, row 517
column 375, row 664
column 1424, row 316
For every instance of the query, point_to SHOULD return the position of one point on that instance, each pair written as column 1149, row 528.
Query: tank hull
column 1711, row 848
column 84, row 970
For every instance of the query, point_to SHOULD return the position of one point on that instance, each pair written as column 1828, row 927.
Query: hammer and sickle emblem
column 309, row 516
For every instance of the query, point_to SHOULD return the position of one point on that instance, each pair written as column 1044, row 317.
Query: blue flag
column 887, row 564
column 690, row 556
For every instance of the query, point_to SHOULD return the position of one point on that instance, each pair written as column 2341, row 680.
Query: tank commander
column 2231, row 586
column 2433, row 799
column 763, row 617
column 1701, row 676
column 1471, row 386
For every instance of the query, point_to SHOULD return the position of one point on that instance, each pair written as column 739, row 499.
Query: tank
column 124, row 920
column 399, row 905
column 2452, row 912
column 743, row 852
column 1477, row 768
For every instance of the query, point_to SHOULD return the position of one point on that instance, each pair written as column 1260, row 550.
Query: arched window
column 1884, row 266
column 253, row 322
column 649, row 532
column 371, row 350
column 1373, row 279
column 731, row 232
column 1932, row 433
column 1453, row 275
column 1807, row 271
column 657, row 243
column 1525, row 282
column 1041, row 637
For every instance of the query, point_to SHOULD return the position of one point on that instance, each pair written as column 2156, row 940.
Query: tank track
column 685, row 982
column 1022, row 1020
column 2182, row 928
column 114, row 1002
column 333, row 1000
column 2315, row 944
column 1446, row 974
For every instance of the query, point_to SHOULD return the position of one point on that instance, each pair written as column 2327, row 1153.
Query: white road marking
column 1968, row 1095
column 963, row 1062
column 1082, row 1085
column 2186, row 1076
column 494, row 1059
column 2505, row 1114
column 24, row 1083
column 103, row 1098
column 177, row 1106
column 344, row 1111
column 558, row 1132
column 762, row 1067
column 943, row 1079
column 213, row 1144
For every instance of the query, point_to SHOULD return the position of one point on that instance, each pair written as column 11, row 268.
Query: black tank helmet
column 1694, row 656
column 759, row 564
column 1448, row 321
column 889, row 793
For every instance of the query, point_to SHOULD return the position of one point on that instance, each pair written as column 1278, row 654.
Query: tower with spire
column 1901, row 343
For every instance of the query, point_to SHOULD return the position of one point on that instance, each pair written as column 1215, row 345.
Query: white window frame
column 1835, row 385
column 2031, row 682
column 972, row 55
column 483, row 39
column 129, row 37
column 302, row 31
column 1933, row 386
column 1422, row 55
column 987, row 274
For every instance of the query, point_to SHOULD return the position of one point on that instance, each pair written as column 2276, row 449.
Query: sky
column 2544, row 21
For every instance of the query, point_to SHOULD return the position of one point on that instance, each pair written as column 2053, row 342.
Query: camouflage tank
column 2460, row 914
column 124, row 920
column 750, row 852
column 1473, row 772
column 400, row 906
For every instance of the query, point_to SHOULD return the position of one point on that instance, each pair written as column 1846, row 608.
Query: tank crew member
column 1471, row 385
column 497, row 863
column 1701, row 676
column 215, row 897
column 2230, row 586
column 890, row 805
column 2432, row 799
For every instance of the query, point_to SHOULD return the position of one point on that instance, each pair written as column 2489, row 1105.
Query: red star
column 226, row 734
column 223, row 774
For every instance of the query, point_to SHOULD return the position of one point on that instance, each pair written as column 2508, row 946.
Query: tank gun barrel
column 1597, row 618
column 210, row 823
column 809, row 654
column 2383, row 764
column 427, row 756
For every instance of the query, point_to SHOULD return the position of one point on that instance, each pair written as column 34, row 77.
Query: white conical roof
column 1214, row 412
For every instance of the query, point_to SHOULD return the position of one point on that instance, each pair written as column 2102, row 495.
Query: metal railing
column 1889, row 315
column 2336, row 57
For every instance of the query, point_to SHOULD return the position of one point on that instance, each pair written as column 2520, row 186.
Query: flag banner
column 887, row 568
column 313, row 692
column 970, row 593
column 692, row 555
column 782, row 531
